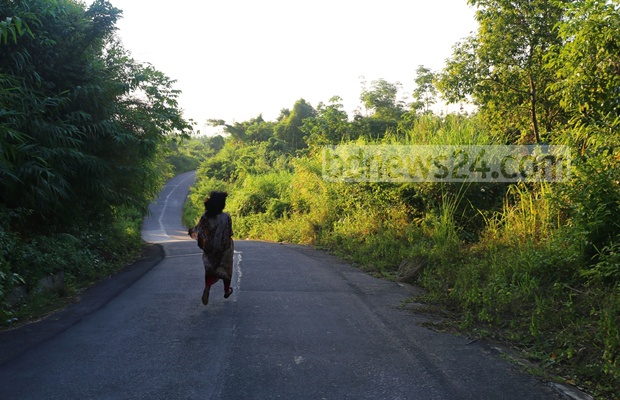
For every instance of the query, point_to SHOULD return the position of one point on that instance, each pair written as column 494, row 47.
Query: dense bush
column 79, row 256
column 83, row 128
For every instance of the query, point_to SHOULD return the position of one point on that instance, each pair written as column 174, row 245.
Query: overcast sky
column 236, row 59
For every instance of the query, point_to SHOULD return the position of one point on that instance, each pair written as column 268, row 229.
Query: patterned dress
column 214, row 235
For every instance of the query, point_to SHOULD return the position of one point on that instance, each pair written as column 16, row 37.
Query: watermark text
column 402, row 163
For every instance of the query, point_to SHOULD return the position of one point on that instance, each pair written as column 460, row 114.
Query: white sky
column 236, row 59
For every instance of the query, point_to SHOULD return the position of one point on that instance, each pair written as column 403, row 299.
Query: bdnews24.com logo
column 395, row 163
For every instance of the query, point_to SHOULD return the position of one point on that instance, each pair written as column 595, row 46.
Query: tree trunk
column 533, row 109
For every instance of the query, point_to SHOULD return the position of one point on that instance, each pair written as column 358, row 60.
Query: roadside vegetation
column 84, row 133
column 534, row 265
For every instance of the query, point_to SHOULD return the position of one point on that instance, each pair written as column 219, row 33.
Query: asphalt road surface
column 300, row 325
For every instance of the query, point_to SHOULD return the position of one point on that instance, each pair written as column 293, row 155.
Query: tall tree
column 330, row 126
column 383, row 109
column 381, row 99
column 502, row 67
column 588, row 71
column 289, row 127
column 81, row 121
column 425, row 93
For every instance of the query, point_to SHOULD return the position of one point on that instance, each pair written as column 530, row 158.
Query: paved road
column 300, row 325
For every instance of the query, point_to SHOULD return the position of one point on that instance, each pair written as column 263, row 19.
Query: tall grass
column 527, row 215
column 449, row 130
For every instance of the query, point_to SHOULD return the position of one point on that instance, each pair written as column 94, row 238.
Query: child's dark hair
column 215, row 203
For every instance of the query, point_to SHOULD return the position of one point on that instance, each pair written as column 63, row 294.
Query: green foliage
column 253, row 131
column 81, row 121
column 503, row 67
column 82, row 133
column 592, row 200
column 187, row 155
column 262, row 194
column 330, row 125
column 9, row 279
column 381, row 99
column 289, row 128
column 81, row 256
column 522, row 282
column 13, row 27
column 425, row 93
column 588, row 72
column 383, row 108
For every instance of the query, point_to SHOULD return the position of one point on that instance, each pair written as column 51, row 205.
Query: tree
column 288, row 129
column 381, row 99
column 81, row 121
column 588, row 72
column 255, row 130
column 330, row 126
column 503, row 66
column 425, row 92
column 588, row 88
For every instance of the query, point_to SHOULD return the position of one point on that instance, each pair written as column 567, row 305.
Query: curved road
column 300, row 325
